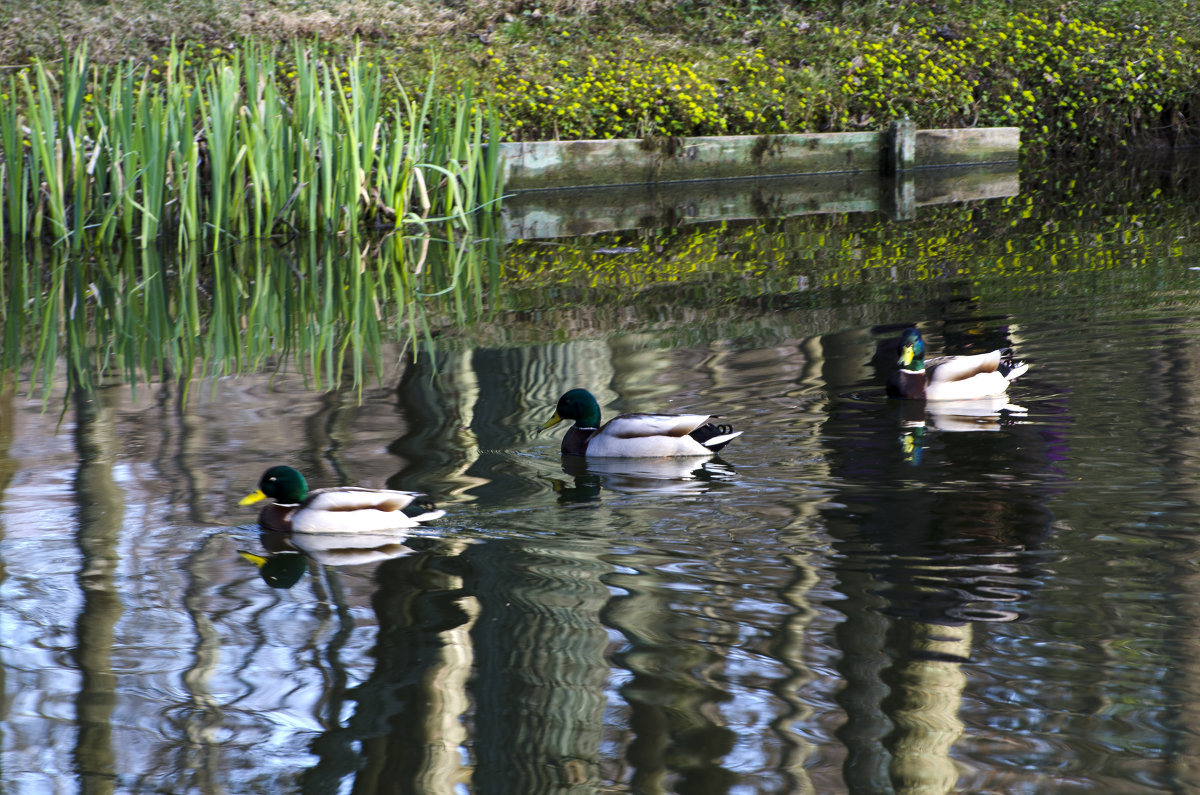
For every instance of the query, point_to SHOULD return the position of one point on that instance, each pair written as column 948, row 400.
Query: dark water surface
column 856, row 596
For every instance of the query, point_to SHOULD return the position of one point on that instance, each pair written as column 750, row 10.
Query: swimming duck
column 950, row 377
column 635, row 435
column 344, row 509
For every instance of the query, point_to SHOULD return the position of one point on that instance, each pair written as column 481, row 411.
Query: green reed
column 234, row 150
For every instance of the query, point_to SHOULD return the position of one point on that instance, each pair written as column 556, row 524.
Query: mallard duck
column 635, row 435
column 344, row 509
column 950, row 377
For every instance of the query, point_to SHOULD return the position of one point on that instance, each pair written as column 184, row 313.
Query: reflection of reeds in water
column 325, row 307
column 231, row 148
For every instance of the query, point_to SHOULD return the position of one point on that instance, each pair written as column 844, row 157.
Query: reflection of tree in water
column 494, row 662
column 499, row 640
column 100, row 515
column 404, row 732
column 492, row 669
column 674, row 689
column 463, row 408
column 517, row 628
column 930, row 549
column 541, row 670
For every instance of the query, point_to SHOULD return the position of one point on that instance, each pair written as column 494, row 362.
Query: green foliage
column 1074, row 75
column 1065, row 83
column 639, row 95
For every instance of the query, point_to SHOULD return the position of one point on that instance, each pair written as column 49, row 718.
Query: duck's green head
column 578, row 405
column 282, row 484
column 912, row 350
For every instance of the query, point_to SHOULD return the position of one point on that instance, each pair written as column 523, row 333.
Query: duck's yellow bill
column 906, row 355
column 252, row 498
column 550, row 423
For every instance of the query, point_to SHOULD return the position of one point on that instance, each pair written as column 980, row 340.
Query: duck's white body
column 968, row 377
column 652, row 436
column 352, row 510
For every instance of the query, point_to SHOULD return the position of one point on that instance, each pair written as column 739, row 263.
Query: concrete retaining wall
column 560, row 164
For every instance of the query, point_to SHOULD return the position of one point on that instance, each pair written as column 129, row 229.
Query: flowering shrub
column 1079, row 75
column 1065, row 83
column 544, row 97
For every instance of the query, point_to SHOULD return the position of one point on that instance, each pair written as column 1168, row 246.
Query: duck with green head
column 343, row 509
column 950, row 377
column 636, row 435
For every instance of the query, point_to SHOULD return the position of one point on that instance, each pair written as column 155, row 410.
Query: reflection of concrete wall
column 543, row 214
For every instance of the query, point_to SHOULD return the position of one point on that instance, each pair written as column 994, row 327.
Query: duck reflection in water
column 288, row 555
column 680, row 476
column 986, row 414
column 928, row 557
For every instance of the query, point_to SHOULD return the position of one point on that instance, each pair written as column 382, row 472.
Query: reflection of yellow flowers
column 846, row 251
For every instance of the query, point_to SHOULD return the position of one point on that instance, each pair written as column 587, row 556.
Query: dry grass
column 121, row 29
column 136, row 28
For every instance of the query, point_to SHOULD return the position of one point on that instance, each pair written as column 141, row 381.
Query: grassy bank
column 1073, row 75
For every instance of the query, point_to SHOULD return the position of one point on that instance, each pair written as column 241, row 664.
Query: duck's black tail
column 714, row 436
column 1010, row 368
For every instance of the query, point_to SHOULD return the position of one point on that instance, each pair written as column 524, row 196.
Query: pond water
column 855, row 596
